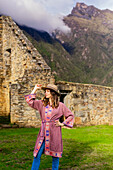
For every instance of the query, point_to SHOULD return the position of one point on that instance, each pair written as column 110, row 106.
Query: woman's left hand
column 58, row 123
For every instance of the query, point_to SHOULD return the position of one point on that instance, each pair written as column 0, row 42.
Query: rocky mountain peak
column 83, row 11
column 81, row 5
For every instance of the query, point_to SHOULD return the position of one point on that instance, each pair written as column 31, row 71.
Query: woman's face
column 48, row 94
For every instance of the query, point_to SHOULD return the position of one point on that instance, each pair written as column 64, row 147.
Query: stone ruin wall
column 91, row 104
column 21, row 67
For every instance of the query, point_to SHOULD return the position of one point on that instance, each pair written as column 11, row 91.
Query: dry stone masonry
column 91, row 104
column 21, row 67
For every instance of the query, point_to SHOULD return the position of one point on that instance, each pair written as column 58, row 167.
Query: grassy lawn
column 84, row 148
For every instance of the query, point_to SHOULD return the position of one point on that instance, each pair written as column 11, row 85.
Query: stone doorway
column 63, row 94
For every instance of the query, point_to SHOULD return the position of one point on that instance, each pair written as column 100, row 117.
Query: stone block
column 78, row 121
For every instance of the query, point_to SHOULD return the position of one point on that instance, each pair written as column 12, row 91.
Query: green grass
column 83, row 148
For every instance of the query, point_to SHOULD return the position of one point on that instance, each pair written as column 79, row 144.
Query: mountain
column 54, row 54
column 83, row 55
column 90, row 42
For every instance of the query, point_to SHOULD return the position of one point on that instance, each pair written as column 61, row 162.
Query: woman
column 49, row 139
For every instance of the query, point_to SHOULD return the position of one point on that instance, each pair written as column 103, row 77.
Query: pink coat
column 48, row 130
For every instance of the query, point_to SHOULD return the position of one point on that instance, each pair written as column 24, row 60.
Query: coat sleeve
column 30, row 99
column 69, row 117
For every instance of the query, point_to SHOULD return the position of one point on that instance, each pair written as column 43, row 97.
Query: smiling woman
column 49, row 139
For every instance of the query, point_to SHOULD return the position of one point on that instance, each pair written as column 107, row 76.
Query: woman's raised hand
column 37, row 87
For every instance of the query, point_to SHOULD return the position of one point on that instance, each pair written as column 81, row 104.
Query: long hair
column 55, row 100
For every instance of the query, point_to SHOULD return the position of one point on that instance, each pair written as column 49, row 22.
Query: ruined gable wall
column 1, row 66
column 23, row 67
column 4, row 108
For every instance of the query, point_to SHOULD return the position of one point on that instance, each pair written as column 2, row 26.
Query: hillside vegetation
column 54, row 54
column 85, row 54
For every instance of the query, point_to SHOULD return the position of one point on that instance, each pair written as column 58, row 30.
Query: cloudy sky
column 45, row 14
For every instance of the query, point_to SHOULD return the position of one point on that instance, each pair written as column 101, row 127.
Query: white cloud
column 45, row 14
column 38, row 14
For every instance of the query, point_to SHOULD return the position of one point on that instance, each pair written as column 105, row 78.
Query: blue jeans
column 36, row 161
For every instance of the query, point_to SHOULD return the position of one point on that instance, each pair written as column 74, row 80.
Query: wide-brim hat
column 51, row 87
